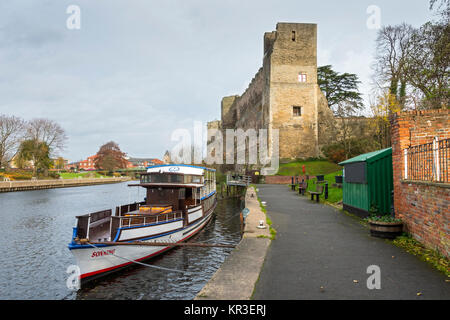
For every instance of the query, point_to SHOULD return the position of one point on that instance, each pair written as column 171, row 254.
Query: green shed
column 368, row 182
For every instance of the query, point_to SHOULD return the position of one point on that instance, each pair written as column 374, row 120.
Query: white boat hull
column 97, row 260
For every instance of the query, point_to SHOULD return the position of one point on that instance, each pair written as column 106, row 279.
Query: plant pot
column 385, row 230
column 338, row 179
column 320, row 177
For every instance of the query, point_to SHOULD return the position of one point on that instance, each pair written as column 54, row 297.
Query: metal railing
column 428, row 162
column 143, row 219
column 238, row 180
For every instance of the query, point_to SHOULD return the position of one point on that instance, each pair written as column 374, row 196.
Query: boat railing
column 144, row 219
column 86, row 223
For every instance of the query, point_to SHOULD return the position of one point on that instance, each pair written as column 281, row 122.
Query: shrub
column 19, row 175
column 334, row 152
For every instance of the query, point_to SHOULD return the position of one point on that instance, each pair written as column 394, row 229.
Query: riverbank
column 236, row 278
column 10, row 186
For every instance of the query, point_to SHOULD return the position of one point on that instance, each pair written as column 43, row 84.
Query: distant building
column 15, row 163
column 166, row 158
column 132, row 163
column 88, row 164
column 60, row 163
column 71, row 166
column 142, row 162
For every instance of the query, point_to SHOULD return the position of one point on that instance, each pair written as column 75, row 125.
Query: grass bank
column 312, row 168
column 334, row 193
column 272, row 231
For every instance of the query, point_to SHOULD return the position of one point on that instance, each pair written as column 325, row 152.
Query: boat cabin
column 174, row 193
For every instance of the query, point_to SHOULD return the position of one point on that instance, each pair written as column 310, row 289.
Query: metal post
column 326, row 190
column 436, row 159
column 405, row 152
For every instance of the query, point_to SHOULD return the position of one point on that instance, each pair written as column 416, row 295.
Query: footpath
column 322, row 253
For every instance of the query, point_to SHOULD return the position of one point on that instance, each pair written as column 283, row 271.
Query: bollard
column 326, row 190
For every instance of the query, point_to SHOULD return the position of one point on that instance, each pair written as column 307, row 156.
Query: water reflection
column 197, row 263
column 36, row 228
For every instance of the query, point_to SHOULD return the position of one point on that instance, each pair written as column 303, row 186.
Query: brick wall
column 423, row 206
column 281, row 179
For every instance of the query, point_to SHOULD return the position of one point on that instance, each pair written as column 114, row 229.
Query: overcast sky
column 138, row 69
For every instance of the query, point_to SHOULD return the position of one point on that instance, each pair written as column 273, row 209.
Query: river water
column 36, row 227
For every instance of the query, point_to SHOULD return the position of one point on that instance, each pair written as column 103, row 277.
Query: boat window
column 176, row 178
column 159, row 178
column 192, row 179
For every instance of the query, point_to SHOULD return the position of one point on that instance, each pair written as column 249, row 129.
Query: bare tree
column 11, row 134
column 49, row 132
column 392, row 46
column 346, row 113
column 429, row 62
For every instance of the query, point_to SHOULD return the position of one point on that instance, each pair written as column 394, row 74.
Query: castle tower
column 294, row 99
column 284, row 94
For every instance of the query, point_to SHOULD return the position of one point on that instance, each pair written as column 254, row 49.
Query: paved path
column 320, row 251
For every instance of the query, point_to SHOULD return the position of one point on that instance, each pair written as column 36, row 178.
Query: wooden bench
column 317, row 193
column 302, row 187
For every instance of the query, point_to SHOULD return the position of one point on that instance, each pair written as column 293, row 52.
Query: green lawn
column 334, row 193
column 312, row 168
column 76, row 175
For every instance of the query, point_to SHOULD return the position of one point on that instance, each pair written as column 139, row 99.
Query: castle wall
column 249, row 105
column 287, row 80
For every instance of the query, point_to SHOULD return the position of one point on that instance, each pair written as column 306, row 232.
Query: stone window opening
column 293, row 36
column 297, row 111
column 302, row 77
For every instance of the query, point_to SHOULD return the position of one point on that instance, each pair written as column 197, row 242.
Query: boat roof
column 178, row 168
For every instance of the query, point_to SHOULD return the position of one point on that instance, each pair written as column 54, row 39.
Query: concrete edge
column 237, row 276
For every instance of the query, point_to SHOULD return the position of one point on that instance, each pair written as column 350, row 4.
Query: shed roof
column 369, row 157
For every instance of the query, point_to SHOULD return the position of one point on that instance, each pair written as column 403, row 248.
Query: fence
column 428, row 162
column 6, row 186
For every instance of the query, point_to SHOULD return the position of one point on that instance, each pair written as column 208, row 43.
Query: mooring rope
column 138, row 262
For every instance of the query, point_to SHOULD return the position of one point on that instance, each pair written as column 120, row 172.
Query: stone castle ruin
column 284, row 95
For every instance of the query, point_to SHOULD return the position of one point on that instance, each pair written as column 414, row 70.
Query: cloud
column 136, row 71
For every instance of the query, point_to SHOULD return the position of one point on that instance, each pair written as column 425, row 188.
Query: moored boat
column 180, row 201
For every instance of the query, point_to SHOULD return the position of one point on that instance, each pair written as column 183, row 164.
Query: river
column 36, row 227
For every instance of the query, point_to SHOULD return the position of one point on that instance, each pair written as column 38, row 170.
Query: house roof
column 141, row 160
column 368, row 157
